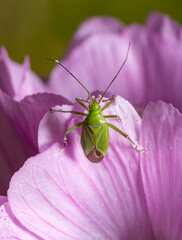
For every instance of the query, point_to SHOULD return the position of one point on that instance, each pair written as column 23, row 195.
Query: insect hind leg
column 70, row 130
column 135, row 145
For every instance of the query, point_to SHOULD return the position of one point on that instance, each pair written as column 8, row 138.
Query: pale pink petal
column 11, row 228
column 52, row 127
column 59, row 194
column 161, row 168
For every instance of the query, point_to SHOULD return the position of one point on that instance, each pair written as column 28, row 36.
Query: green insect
column 95, row 132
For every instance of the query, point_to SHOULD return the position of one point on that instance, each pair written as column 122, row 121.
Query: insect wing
column 95, row 141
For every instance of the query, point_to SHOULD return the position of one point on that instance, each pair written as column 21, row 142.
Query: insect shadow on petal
column 95, row 132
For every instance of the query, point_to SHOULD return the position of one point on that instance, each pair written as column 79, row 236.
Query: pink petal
column 59, row 194
column 18, row 80
column 162, row 169
column 19, row 130
column 3, row 199
column 163, row 25
column 11, row 228
column 152, row 72
column 94, row 63
column 96, row 25
column 52, row 127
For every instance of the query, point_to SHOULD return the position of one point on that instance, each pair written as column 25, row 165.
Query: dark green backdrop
column 43, row 28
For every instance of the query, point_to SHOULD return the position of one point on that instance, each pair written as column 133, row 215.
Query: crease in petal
column 11, row 228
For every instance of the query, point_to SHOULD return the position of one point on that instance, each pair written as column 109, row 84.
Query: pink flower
column 59, row 194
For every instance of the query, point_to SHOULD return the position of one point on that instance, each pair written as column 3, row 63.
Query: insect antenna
column 116, row 73
column 58, row 62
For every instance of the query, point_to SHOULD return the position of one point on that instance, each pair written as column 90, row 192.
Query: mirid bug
column 95, row 133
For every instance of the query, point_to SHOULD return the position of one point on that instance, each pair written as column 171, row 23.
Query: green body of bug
column 95, row 133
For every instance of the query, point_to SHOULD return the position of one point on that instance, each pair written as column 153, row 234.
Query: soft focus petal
column 61, row 195
column 152, row 72
column 11, row 228
column 18, row 80
column 96, row 25
column 161, row 169
column 19, row 131
column 94, row 63
column 163, row 25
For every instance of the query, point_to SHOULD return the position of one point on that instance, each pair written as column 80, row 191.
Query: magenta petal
column 59, row 194
column 3, row 199
column 11, row 228
column 161, row 169
column 19, row 131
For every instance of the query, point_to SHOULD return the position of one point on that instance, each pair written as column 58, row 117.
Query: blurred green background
column 42, row 28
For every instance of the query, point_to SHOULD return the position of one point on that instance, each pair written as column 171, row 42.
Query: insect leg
column 70, row 130
column 105, row 100
column 112, row 116
column 135, row 145
column 73, row 128
column 79, row 113
column 107, row 105
column 80, row 101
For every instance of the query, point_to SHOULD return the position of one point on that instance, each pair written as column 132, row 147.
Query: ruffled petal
column 161, row 168
column 64, row 196
column 18, row 80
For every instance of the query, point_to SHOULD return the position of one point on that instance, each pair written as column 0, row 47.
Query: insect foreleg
column 135, row 145
column 111, row 100
column 112, row 116
column 79, row 113
column 80, row 101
